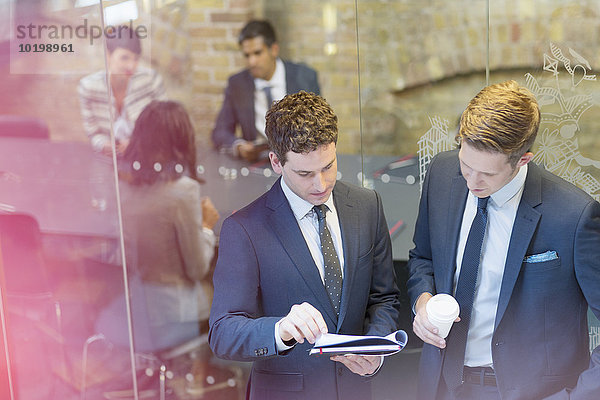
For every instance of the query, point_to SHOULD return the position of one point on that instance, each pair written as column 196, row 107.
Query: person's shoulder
column 93, row 81
column 297, row 66
column 144, row 75
column 173, row 195
column 445, row 162
column 557, row 188
column 186, row 183
column 300, row 71
column 241, row 76
column 450, row 156
column 353, row 192
column 252, row 211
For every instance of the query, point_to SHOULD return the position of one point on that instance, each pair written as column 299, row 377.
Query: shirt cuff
column 279, row 345
column 381, row 358
column 415, row 303
column 210, row 235
column 98, row 141
column 234, row 146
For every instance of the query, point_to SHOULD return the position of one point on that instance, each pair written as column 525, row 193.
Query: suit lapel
column 286, row 227
column 349, row 224
column 290, row 78
column 456, row 208
column 526, row 222
column 246, row 96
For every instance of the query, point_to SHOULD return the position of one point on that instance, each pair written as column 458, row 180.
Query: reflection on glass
column 113, row 108
column 250, row 93
column 419, row 65
column 169, row 242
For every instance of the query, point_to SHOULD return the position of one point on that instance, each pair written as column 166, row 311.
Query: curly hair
column 300, row 122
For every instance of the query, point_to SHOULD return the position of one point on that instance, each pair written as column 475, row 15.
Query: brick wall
column 213, row 26
column 403, row 44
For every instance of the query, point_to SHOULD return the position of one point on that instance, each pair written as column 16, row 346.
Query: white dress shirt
column 502, row 209
column 309, row 225
column 278, row 91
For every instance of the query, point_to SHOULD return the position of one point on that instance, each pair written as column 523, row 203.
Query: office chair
column 31, row 314
column 23, row 127
column 156, row 363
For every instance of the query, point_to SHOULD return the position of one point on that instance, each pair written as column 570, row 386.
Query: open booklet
column 331, row 343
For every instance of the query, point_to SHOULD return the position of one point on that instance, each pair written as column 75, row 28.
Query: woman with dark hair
column 162, row 145
column 167, row 228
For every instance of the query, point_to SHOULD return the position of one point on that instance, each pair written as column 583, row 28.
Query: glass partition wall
column 87, row 311
column 60, row 252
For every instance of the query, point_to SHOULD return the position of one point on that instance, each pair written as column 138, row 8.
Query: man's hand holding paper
column 360, row 364
column 303, row 321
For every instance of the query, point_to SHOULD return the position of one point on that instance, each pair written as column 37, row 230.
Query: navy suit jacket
column 238, row 106
column 265, row 267
column 540, row 340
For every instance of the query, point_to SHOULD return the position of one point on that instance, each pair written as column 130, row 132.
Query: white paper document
column 331, row 343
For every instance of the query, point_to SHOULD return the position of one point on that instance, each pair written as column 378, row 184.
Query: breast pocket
column 542, row 266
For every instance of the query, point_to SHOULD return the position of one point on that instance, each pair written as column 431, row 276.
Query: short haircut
column 125, row 38
column 162, row 145
column 300, row 122
column 258, row 28
column 504, row 117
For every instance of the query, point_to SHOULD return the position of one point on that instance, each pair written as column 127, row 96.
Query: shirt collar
column 513, row 187
column 299, row 206
column 278, row 78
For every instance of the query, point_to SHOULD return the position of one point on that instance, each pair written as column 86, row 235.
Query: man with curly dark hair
column 310, row 256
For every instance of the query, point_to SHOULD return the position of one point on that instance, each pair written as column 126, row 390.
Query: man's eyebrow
column 300, row 171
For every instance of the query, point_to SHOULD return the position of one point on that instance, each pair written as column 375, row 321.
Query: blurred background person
column 131, row 89
column 249, row 93
column 169, row 242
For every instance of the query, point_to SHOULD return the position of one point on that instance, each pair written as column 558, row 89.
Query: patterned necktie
column 333, row 270
column 268, row 95
column 465, row 292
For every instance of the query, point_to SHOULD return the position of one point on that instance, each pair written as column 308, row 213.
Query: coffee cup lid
column 443, row 306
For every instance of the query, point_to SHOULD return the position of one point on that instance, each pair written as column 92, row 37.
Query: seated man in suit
column 518, row 248
column 249, row 93
column 310, row 256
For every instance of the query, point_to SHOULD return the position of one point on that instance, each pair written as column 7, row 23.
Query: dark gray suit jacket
column 540, row 340
column 265, row 267
column 238, row 105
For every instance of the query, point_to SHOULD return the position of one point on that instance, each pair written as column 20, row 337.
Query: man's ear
column 275, row 163
column 275, row 49
column 525, row 158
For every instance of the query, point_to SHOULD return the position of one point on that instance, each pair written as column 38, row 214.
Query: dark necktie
column 465, row 292
column 333, row 271
column 269, row 96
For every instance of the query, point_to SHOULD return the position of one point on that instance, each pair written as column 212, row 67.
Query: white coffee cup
column 442, row 310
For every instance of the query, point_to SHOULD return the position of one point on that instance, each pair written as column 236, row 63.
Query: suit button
column 340, row 371
column 498, row 343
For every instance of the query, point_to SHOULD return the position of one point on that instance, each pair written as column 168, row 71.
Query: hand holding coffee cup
column 442, row 310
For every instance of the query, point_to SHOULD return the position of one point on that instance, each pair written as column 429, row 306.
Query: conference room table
column 232, row 183
column 71, row 190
